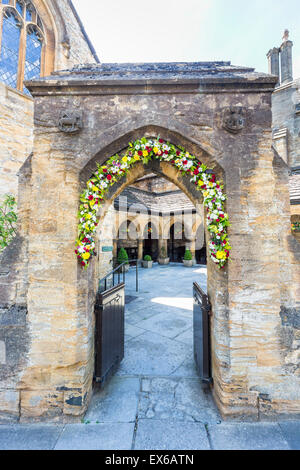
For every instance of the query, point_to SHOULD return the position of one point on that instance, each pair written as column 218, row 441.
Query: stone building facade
column 52, row 28
column 286, row 117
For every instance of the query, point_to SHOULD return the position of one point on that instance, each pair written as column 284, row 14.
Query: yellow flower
column 145, row 153
column 221, row 255
column 205, row 193
column 95, row 189
column 136, row 157
column 86, row 256
column 125, row 159
column 89, row 216
column 211, row 185
column 155, row 150
column 200, row 183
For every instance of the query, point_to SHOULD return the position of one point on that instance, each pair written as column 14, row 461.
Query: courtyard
column 155, row 400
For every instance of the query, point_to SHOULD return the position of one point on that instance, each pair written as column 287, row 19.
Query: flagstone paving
column 155, row 400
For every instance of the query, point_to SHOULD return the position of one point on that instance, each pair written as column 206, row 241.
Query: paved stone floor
column 155, row 401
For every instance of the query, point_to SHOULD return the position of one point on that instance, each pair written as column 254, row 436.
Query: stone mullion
column 1, row 25
column 22, row 57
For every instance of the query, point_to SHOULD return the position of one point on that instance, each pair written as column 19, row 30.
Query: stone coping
column 196, row 76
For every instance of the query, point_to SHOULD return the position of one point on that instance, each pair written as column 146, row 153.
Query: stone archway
column 224, row 118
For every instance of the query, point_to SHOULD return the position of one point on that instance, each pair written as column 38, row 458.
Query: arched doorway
column 128, row 238
column 177, row 242
column 151, row 236
column 216, row 111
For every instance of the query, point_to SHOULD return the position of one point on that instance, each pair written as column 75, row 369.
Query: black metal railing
column 119, row 274
column 202, row 340
column 109, row 332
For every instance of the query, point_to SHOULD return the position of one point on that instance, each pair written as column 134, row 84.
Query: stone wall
column 76, row 50
column 286, row 123
column 16, row 136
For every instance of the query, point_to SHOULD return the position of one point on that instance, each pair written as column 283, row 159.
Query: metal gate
column 109, row 341
column 202, row 344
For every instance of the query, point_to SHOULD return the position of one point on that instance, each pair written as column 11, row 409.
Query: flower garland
column 296, row 227
column 144, row 150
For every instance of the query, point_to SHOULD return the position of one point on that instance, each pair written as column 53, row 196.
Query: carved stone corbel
column 234, row 119
column 70, row 121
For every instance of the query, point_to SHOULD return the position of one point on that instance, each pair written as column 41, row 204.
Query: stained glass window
column 9, row 57
column 33, row 55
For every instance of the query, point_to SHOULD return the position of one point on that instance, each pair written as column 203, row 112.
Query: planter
column 188, row 263
column 125, row 268
column 147, row 264
column 163, row 260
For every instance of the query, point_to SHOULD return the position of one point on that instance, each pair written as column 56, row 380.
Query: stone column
column 115, row 248
column 273, row 58
column 140, row 248
column 286, row 59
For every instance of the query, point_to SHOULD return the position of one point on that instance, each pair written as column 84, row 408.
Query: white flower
column 189, row 164
column 137, row 147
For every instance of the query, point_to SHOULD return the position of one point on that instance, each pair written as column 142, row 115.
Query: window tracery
column 21, row 43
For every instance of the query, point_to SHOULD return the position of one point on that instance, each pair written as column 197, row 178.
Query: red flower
column 185, row 162
column 109, row 177
column 82, row 263
column 161, row 141
column 196, row 172
column 178, row 152
column 90, row 198
column 104, row 170
column 140, row 153
column 166, row 152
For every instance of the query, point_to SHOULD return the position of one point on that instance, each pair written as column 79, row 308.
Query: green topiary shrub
column 122, row 256
column 188, row 255
column 147, row 258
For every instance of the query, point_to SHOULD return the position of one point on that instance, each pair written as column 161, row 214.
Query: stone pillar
column 286, row 59
column 115, row 248
column 140, row 248
column 273, row 58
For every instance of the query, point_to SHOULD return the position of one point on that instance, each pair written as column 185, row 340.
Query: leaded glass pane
column 20, row 7
column 29, row 12
column 9, row 57
column 33, row 56
column 6, row 2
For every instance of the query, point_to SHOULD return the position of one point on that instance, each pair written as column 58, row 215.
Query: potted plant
column 147, row 262
column 163, row 257
column 123, row 258
column 188, row 259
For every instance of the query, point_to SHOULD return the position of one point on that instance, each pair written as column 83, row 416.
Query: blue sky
column 190, row 30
